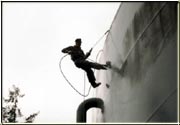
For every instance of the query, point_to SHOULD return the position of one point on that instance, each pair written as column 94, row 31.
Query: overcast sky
column 33, row 36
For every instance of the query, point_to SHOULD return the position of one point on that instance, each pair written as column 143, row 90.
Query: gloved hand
column 88, row 53
column 90, row 50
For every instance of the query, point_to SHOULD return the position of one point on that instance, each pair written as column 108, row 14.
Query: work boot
column 96, row 85
column 108, row 64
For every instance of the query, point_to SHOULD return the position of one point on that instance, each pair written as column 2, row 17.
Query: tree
column 10, row 109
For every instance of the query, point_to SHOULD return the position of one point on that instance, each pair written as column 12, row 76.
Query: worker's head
column 78, row 42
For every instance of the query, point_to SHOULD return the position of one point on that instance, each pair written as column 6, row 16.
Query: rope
column 159, row 106
column 84, row 90
column 100, row 38
column 85, row 84
column 84, row 76
column 69, row 81
column 98, row 54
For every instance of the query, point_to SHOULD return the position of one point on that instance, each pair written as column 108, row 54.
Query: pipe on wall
column 87, row 104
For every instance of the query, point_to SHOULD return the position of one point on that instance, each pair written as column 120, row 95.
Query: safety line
column 160, row 105
column 69, row 81
column 137, row 40
column 100, row 38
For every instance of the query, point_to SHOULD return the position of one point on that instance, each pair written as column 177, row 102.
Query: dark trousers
column 86, row 66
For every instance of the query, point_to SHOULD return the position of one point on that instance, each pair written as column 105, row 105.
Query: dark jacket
column 76, row 53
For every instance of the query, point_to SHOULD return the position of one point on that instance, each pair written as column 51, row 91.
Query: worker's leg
column 91, row 77
column 86, row 66
column 97, row 66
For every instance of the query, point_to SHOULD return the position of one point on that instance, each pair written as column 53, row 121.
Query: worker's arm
column 88, row 54
column 67, row 50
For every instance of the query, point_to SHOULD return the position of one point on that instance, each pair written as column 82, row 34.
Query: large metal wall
column 142, row 47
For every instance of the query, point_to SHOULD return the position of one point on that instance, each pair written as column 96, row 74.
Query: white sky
column 33, row 36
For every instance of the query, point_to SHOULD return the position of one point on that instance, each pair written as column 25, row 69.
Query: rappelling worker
column 79, row 59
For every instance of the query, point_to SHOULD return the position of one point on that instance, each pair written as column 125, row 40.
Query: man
column 79, row 59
